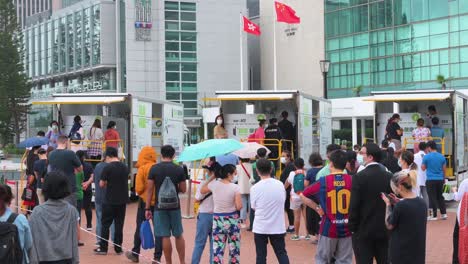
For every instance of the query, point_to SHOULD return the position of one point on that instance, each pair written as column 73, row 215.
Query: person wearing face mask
column 244, row 174
column 259, row 134
column 394, row 131
column 112, row 136
column 76, row 134
column 366, row 215
column 219, row 130
column 406, row 218
column 388, row 158
column 406, row 162
column 227, row 202
column 205, row 216
column 288, row 167
column 54, row 134
column 325, row 171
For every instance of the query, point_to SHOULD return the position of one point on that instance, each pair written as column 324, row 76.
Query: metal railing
column 411, row 141
column 96, row 148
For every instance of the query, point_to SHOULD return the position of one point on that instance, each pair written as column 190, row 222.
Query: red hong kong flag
column 251, row 27
column 286, row 14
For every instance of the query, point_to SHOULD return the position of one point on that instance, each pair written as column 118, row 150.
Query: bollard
column 188, row 214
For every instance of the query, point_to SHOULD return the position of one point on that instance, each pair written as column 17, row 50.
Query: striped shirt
column 334, row 193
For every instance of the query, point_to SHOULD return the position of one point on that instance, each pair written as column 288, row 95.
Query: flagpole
column 241, row 53
column 275, row 80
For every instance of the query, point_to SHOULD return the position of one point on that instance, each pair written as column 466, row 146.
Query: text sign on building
column 143, row 20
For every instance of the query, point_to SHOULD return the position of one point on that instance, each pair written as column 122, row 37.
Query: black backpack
column 10, row 248
column 74, row 135
column 167, row 195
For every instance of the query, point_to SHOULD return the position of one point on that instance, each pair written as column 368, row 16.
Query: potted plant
column 440, row 79
column 357, row 90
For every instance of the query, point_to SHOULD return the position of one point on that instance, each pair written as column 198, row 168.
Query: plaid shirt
column 95, row 149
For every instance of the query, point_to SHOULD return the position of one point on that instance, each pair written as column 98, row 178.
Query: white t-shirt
column 418, row 158
column 294, row 195
column 244, row 180
column 224, row 196
column 267, row 199
column 207, row 205
column 96, row 134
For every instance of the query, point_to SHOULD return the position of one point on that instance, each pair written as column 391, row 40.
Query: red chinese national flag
column 286, row 14
column 251, row 27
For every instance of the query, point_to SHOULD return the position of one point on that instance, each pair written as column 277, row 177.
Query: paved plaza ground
column 439, row 244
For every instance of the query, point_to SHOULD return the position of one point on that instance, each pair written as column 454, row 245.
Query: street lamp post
column 324, row 66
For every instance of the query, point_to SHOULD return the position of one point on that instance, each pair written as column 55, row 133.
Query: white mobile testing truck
column 140, row 121
column 311, row 116
column 451, row 106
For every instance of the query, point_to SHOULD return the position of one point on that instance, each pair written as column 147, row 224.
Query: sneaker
column 314, row 242
column 307, row 237
column 100, row 251
column 89, row 228
column 295, row 238
column 431, row 218
column 97, row 244
column 290, row 230
column 80, row 244
column 131, row 257
column 444, row 217
column 118, row 251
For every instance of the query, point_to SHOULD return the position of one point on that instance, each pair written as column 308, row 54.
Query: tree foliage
column 14, row 84
column 357, row 90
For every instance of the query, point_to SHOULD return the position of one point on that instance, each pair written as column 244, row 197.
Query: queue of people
column 333, row 198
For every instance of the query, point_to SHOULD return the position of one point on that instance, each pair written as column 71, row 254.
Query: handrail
column 411, row 140
column 100, row 146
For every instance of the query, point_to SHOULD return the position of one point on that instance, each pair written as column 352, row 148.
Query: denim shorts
column 167, row 223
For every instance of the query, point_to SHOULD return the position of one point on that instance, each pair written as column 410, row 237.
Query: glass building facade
column 395, row 44
column 61, row 50
column 181, row 54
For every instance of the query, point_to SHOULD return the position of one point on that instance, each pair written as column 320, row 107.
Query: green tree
column 357, row 90
column 14, row 83
column 440, row 79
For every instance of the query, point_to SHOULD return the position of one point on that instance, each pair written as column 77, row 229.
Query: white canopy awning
column 401, row 97
column 80, row 99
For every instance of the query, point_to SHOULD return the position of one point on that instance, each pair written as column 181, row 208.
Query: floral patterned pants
column 226, row 230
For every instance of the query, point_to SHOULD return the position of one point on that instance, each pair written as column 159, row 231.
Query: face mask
column 54, row 127
column 115, row 127
column 219, row 122
column 283, row 160
column 207, row 176
column 360, row 159
column 235, row 179
column 399, row 163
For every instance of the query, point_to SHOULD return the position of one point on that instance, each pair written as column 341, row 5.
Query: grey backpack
column 167, row 195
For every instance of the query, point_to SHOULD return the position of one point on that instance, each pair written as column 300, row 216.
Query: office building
column 395, row 45
column 181, row 51
column 31, row 11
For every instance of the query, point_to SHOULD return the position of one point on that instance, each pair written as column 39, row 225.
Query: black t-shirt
column 392, row 131
column 287, row 129
column 40, row 167
column 65, row 161
column 88, row 170
column 116, row 175
column 160, row 171
column 30, row 163
column 408, row 238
